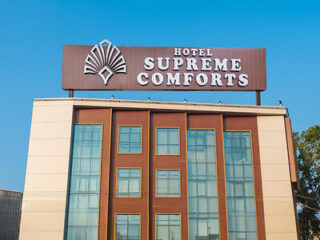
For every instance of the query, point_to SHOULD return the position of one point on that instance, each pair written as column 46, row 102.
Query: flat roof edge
column 187, row 106
column 7, row 190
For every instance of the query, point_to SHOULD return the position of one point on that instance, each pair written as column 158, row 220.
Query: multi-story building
column 10, row 211
column 116, row 169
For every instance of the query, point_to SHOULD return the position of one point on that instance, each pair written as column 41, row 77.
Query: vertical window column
column 84, row 177
column 239, row 184
column 202, row 185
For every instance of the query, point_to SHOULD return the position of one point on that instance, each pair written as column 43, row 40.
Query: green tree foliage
column 308, row 155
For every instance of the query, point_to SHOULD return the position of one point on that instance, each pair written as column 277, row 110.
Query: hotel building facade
column 117, row 169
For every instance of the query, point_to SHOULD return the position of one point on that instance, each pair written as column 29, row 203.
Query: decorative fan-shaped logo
column 105, row 62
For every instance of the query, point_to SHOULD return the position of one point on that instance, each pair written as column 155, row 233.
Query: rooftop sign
column 107, row 67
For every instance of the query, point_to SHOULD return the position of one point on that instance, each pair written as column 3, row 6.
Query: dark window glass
column 10, row 210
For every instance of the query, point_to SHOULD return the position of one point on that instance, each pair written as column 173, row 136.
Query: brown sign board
column 107, row 67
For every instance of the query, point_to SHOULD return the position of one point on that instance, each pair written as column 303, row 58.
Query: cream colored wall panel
column 280, row 189
column 273, row 156
column 47, row 183
column 45, row 113
column 281, row 236
column 47, row 235
column 53, row 130
column 273, row 139
column 55, row 104
column 54, row 203
column 275, row 124
column 53, row 164
column 279, row 172
column 280, row 224
column 44, row 202
column 279, row 213
column 42, row 221
column 49, row 147
column 278, row 206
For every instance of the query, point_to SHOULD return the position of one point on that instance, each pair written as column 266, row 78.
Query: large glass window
column 127, row 227
column 168, row 227
column 128, row 182
column 202, row 185
column 239, row 184
column 168, row 141
column 168, row 183
column 83, row 195
column 129, row 139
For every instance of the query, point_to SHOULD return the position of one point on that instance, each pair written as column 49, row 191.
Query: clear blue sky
column 32, row 34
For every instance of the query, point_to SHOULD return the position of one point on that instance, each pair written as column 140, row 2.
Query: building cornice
column 170, row 106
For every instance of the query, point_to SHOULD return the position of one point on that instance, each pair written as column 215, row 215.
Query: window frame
column 166, row 213
column 118, row 138
column 126, row 213
column 117, row 183
column 156, row 142
column 156, row 182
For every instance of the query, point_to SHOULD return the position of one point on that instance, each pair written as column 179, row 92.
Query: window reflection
column 127, row 227
column 128, row 182
column 168, row 227
column 202, row 186
column 167, row 141
column 83, row 194
column 239, row 184
column 129, row 139
column 168, row 183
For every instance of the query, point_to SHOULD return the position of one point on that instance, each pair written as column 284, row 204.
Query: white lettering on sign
column 235, row 65
column 140, row 80
column 191, row 64
column 221, row 65
column 157, row 79
column 202, row 79
column 216, row 79
column 149, row 63
column 206, row 64
column 243, row 80
column 173, row 80
column 177, row 63
column 187, row 78
column 230, row 77
column 163, row 66
column 194, row 65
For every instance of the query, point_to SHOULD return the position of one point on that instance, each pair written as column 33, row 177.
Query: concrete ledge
column 173, row 106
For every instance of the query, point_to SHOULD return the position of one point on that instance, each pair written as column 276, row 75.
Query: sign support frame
column 258, row 97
